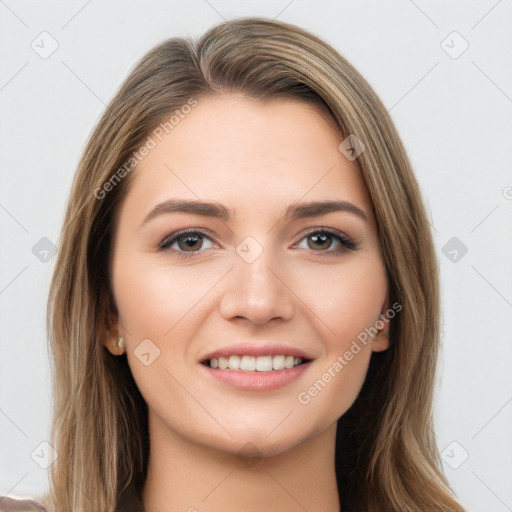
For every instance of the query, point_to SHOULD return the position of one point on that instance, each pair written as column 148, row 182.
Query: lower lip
column 258, row 381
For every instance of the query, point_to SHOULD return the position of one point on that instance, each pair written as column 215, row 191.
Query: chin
column 261, row 447
column 252, row 442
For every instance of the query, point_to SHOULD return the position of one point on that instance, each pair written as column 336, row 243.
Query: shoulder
column 14, row 504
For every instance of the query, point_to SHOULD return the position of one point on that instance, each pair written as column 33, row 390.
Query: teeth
column 234, row 363
column 264, row 363
column 247, row 363
column 251, row 363
column 278, row 362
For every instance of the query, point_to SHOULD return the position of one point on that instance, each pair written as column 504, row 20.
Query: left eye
column 322, row 240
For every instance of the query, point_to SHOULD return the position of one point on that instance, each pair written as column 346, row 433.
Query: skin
column 257, row 158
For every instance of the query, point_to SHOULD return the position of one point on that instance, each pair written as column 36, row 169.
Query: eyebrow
column 293, row 212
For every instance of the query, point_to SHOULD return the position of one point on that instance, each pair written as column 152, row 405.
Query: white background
column 453, row 114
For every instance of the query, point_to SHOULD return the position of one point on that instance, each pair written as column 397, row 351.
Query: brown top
column 14, row 504
column 129, row 501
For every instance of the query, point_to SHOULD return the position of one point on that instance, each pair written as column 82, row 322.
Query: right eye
column 188, row 242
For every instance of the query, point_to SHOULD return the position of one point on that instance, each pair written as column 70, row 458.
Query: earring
column 120, row 341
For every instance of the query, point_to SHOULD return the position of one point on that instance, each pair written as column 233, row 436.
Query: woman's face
column 260, row 276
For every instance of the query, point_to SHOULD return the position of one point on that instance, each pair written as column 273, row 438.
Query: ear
column 380, row 341
column 108, row 329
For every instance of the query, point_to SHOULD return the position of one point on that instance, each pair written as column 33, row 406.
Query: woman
column 244, row 311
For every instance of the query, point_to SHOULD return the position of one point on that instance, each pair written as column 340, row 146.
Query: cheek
column 348, row 307
column 333, row 388
column 346, row 301
column 155, row 301
column 165, row 306
column 158, row 304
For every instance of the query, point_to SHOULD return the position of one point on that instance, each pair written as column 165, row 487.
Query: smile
column 254, row 363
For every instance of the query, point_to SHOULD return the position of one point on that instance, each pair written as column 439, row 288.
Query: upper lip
column 257, row 348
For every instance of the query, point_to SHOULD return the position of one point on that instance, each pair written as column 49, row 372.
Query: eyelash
column 345, row 242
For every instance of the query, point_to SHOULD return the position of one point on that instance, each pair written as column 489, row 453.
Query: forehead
column 245, row 151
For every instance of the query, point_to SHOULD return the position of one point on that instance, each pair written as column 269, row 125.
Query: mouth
column 248, row 363
column 256, row 365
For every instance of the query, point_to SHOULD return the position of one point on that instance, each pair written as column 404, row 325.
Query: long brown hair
column 386, row 453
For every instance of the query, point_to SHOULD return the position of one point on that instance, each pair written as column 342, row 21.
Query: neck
column 186, row 476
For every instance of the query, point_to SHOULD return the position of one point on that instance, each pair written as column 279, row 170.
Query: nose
column 259, row 291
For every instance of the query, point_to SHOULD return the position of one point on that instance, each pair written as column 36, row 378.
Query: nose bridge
column 256, row 289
